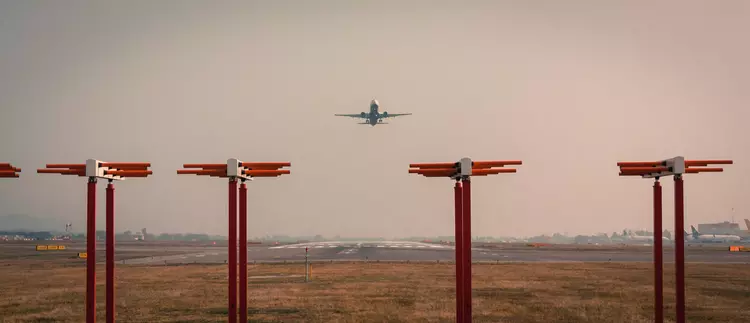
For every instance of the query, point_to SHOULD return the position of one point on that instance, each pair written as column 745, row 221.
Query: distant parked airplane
column 646, row 239
column 374, row 117
column 697, row 236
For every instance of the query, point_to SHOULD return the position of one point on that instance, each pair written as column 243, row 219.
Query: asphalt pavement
column 421, row 252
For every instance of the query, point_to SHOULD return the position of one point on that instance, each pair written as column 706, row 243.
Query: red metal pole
column 467, row 248
column 459, row 252
column 110, row 265
column 232, row 311
column 243, row 253
column 91, row 252
column 679, row 228
column 658, row 253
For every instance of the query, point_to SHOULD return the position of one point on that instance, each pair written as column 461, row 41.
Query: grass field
column 377, row 292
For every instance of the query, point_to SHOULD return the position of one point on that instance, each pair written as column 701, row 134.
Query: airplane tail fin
column 695, row 232
column 747, row 223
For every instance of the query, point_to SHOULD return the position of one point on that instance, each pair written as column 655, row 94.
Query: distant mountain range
column 23, row 222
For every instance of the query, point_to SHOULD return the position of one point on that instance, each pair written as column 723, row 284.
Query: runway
column 400, row 251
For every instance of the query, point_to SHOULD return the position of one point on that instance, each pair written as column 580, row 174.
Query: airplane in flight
column 374, row 117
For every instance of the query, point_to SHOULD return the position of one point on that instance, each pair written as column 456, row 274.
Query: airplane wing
column 395, row 115
column 358, row 115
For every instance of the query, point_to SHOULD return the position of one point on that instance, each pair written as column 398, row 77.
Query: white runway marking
column 363, row 244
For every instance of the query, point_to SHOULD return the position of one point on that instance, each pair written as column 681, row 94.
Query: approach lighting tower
column 675, row 167
column 95, row 169
column 235, row 170
column 461, row 172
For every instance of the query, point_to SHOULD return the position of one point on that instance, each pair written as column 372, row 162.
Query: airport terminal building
column 719, row 228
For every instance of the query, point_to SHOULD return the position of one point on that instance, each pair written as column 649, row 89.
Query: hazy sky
column 568, row 87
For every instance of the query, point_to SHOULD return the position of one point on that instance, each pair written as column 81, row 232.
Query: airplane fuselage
column 374, row 114
column 717, row 238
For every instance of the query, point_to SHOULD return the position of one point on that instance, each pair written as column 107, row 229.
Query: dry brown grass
column 378, row 292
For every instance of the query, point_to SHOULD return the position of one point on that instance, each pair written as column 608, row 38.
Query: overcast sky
column 568, row 87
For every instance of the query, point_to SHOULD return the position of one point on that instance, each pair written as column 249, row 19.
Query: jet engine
column 385, row 114
column 364, row 115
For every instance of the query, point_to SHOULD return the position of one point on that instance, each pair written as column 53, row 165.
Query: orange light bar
column 125, row 165
column 495, row 163
column 71, row 166
column 79, row 172
column 436, row 175
column 261, row 168
column 266, row 164
column 202, row 172
column 9, row 167
column 432, row 170
column 206, row 166
column 128, row 173
column 640, row 164
column 8, row 175
column 647, row 170
column 265, row 172
column 689, row 163
column 431, row 173
column 486, row 171
column 696, row 170
column 433, row 165
column 133, row 168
